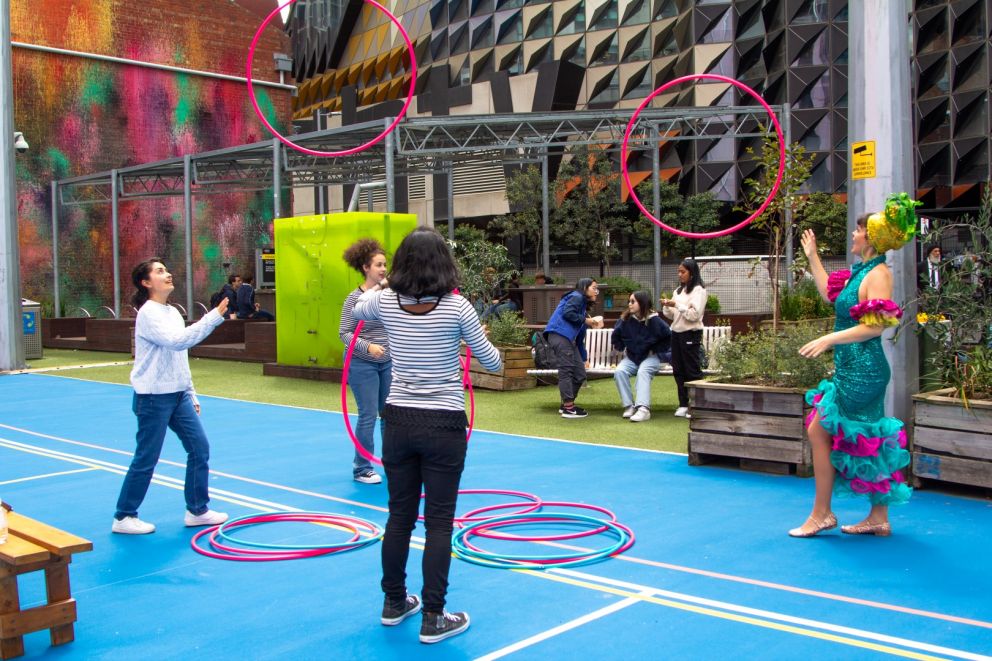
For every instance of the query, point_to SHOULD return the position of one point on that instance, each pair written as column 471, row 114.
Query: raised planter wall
column 952, row 443
column 762, row 427
column 511, row 376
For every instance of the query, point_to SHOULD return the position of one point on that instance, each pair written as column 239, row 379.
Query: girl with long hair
column 645, row 340
column 424, row 444
column 685, row 309
column 371, row 367
column 164, row 398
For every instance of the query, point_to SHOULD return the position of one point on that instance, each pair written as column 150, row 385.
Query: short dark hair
column 423, row 265
column 247, row 279
column 583, row 284
column 695, row 278
column 231, row 279
column 142, row 272
column 359, row 254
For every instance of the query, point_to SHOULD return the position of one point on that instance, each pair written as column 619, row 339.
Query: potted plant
column 802, row 305
column 513, row 339
column 618, row 289
column 952, row 435
column 754, row 410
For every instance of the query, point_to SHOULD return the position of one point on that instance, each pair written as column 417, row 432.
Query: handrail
column 85, row 311
column 205, row 309
column 110, row 310
column 180, row 308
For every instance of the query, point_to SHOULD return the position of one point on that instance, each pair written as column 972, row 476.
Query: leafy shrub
column 712, row 304
column 803, row 301
column 770, row 358
column 508, row 330
column 619, row 284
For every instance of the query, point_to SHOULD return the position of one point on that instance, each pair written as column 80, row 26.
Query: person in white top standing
column 685, row 309
column 164, row 399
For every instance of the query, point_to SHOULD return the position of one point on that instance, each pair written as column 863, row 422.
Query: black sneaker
column 395, row 612
column 574, row 412
column 438, row 626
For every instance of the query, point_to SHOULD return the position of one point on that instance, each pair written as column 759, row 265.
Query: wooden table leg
column 57, row 585
column 9, row 603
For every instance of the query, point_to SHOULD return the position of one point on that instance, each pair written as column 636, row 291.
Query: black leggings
column 687, row 356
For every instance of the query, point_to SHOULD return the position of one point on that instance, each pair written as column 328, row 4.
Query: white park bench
column 603, row 358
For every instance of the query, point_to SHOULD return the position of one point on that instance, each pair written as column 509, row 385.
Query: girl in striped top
column 424, row 441
column 371, row 367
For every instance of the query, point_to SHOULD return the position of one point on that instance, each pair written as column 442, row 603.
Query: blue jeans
column 645, row 372
column 416, row 457
column 369, row 383
column 155, row 414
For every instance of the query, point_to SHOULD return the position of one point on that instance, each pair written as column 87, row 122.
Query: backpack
column 216, row 298
column 544, row 355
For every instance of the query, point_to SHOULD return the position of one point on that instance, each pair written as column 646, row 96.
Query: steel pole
column 188, row 219
column 451, row 200
column 656, row 205
column 787, row 214
column 545, row 216
column 55, row 250
column 276, row 179
column 390, row 168
column 115, row 240
column 11, row 323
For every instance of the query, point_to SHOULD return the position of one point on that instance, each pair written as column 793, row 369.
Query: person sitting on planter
column 645, row 339
column 566, row 333
column 857, row 450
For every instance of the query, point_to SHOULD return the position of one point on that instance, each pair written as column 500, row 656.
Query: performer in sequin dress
column 857, row 450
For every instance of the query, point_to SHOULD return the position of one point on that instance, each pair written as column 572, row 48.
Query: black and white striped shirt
column 424, row 347
column 373, row 332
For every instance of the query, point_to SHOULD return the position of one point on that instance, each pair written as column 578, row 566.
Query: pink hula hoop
column 346, row 152
column 344, row 396
column 771, row 194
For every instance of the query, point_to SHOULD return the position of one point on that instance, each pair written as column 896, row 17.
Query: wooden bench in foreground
column 34, row 546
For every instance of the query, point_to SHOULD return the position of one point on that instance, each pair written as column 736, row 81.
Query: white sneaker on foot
column 682, row 412
column 208, row 518
column 641, row 414
column 369, row 477
column 627, row 412
column 132, row 525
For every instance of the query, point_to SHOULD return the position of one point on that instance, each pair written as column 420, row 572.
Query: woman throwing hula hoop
column 371, row 367
column 424, row 443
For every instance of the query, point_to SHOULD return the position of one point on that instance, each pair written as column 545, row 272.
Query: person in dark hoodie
column 646, row 341
column 566, row 333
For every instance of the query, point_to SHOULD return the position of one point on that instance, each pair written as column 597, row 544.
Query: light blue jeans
column 645, row 372
column 369, row 383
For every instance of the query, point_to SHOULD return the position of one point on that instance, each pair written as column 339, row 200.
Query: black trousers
column 687, row 356
column 415, row 456
column 571, row 368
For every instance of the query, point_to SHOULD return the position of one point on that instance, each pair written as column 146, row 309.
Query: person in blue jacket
column 646, row 341
column 566, row 333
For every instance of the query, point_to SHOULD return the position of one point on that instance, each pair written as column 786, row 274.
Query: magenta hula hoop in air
column 345, row 152
column 344, row 396
column 781, row 156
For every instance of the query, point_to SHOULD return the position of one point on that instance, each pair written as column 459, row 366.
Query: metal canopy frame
column 418, row 146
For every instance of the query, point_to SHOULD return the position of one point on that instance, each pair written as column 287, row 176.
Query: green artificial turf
column 532, row 412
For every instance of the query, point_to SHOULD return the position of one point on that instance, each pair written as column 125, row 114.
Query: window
column 606, row 18
column 815, row 96
column 639, row 48
column 542, row 27
column 641, row 13
column 812, row 11
column 722, row 30
column 818, row 139
column 815, row 53
column 606, row 52
column 576, row 22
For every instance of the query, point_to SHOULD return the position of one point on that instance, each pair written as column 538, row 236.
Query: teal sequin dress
column 869, row 449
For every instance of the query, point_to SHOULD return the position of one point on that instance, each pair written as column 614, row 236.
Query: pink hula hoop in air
column 781, row 156
column 345, row 152
column 344, row 396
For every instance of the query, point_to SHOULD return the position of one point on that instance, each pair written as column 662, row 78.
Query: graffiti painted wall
column 83, row 116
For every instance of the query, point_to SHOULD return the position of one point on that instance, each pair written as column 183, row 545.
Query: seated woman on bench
column 646, row 341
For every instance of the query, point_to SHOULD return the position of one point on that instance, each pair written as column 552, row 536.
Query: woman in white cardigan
column 685, row 310
column 164, row 399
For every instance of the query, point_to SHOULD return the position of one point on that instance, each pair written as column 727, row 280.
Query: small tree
column 696, row 213
column 589, row 213
column 772, row 221
column 484, row 265
column 523, row 192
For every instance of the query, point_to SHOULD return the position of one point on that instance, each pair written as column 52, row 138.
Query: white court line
column 643, row 593
column 61, row 368
column 41, row 477
column 562, row 628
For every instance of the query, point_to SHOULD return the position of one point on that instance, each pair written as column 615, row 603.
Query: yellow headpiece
column 892, row 228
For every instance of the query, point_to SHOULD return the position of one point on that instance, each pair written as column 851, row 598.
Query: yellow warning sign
column 863, row 160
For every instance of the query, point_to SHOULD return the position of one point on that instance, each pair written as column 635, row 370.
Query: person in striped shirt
column 424, row 442
column 371, row 368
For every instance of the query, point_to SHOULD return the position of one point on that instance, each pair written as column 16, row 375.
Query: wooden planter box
column 513, row 374
column 952, row 443
column 760, row 426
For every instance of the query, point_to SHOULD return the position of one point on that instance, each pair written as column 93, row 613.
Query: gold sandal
column 883, row 529
column 828, row 522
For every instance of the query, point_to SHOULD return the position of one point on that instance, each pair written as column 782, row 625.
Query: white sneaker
column 208, row 518
column 629, row 411
column 641, row 414
column 369, row 477
column 132, row 525
column 682, row 412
